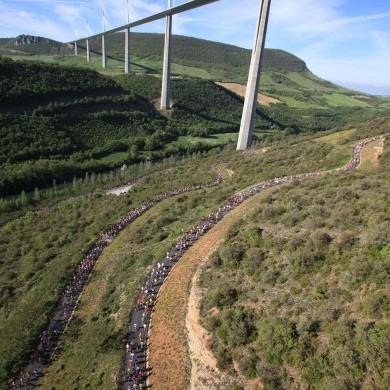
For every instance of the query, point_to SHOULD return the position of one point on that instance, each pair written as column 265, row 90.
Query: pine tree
column 86, row 180
column 37, row 195
column 133, row 152
column 23, row 198
column 74, row 184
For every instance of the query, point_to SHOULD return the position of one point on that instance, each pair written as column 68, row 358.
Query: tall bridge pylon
column 166, row 82
column 252, row 87
column 174, row 7
column 179, row 6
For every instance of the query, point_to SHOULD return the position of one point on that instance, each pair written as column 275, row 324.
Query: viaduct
column 179, row 6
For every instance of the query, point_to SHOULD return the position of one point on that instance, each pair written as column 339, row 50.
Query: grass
column 307, row 83
column 266, row 80
column 337, row 138
column 342, row 150
column 209, row 74
column 339, row 100
column 115, row 65
column 370, row 154
column 291, row 102
column 215, row 139
column 114, row 158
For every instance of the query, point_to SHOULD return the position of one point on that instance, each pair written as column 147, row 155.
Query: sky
column 344, row 41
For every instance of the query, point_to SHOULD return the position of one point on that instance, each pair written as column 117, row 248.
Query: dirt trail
column 204, row 372
column 241, row 90
column 168, row 358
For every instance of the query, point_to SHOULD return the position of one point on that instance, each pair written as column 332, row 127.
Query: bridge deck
column 172, row 11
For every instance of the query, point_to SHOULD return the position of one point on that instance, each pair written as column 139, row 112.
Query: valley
column 293, row 282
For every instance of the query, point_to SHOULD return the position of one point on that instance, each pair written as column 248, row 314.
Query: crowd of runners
column 50, row 337
column 134, row 374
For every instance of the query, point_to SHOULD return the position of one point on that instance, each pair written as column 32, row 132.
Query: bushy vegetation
column 310, row 308
column 301, row 286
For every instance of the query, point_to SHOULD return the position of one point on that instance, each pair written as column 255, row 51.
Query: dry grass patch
column 370, row 154
column 240, row 90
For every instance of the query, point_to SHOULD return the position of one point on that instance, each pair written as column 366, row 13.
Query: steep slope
column 297, row 294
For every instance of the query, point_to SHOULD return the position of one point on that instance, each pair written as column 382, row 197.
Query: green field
column 337, row 100
column 114, row 158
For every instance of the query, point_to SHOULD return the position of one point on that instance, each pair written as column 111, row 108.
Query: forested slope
column 58, row 122
column 22, row 82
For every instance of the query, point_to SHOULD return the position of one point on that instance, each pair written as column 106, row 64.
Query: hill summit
column 29, row 40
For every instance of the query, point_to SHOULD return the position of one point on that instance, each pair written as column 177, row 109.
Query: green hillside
column 188, row 51
column 65, row 130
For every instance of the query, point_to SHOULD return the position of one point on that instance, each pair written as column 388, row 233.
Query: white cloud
column 24, row 22
column 70, row 14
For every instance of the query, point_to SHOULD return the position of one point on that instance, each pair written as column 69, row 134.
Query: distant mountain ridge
column 185, row 50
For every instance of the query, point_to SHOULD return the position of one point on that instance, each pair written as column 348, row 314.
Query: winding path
column 134, row 374
column 49, row 339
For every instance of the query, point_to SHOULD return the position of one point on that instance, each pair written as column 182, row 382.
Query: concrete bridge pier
column 127, row 50
column 252, row 88
column 76, row 49
column 88, row 51
column 166, row 89
column 104, row 54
